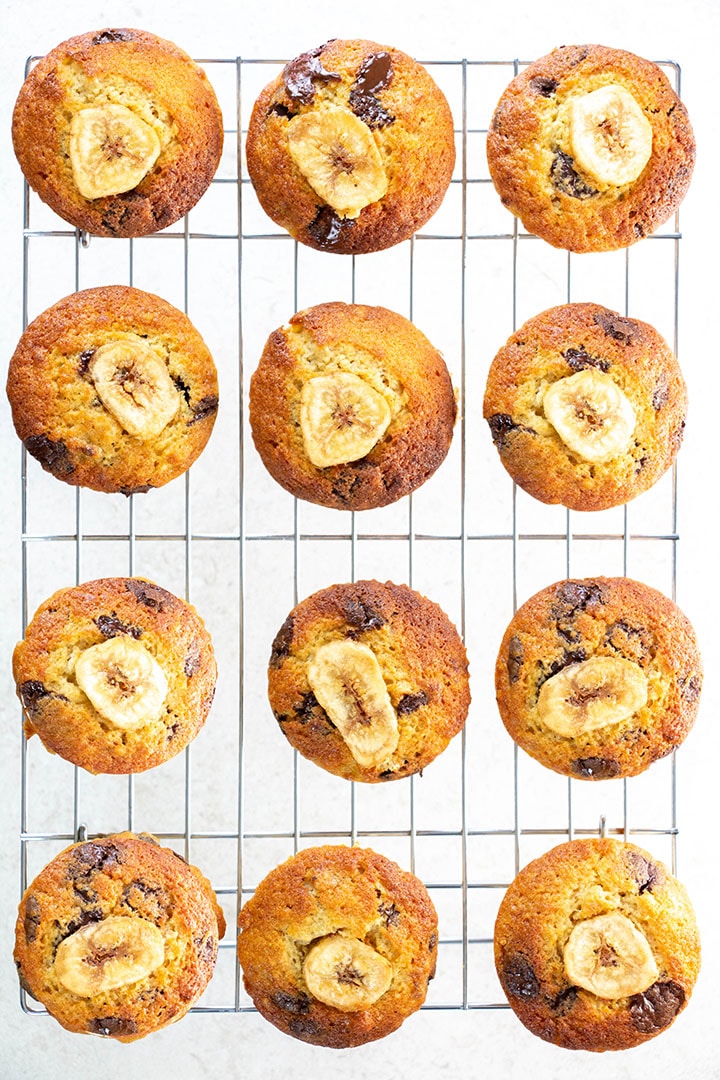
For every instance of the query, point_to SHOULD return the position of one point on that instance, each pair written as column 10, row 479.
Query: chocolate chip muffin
column 596, row 946
column 117, row 936
column 586, row 408
column 338, row 945
column 599, row 677
column 116, row 675
column 351, row 406
column 113, row 389
column 118, row 131
column 351, row 148
column 591, row 148
column 369, row 680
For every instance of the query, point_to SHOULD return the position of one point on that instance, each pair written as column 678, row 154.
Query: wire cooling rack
column 239, row 800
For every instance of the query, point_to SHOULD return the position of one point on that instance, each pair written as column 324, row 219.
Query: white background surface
column 451, row 1044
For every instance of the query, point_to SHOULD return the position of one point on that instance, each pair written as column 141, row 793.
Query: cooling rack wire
column 239, row 800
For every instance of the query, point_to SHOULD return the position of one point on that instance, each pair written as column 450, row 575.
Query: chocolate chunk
column 519, row 978
column 326, row 228
column 390, row 914
column 84, row 361
column 544, row 85
column 501, row 425
column 141, row 489
column 52, row 454
column 656, row 1007
column 635, row 643
column 516, row 657
column 31, row 693
column 300, row 74
column 375, row 74
column 623, row 330
column 563, row 1002
column 90, row 915
column 304, row 1029
column 565, row 178
column 112, row 1025
column 297, row 1004
column 151, row 901
column 596, row 768
column 579, row 359
column 361, row 617
column 278, row 109
column 113, row 35
column 568, row 657
column 408, row 703
column 110, row 626
column 31, row 920
column 661, row 395
column 207, row 406
column 644, row 872
column 192, row 660
column 150, row 595
column 93, row 857
column 690, row 687
column 306, row 708
column 575, row 596
column 283, row 641
column 182, row 388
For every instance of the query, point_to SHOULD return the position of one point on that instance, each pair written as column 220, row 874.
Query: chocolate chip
column 565, row 178
column 278, row 109
column 544, row 85
column 634, row 643
column 31, row 693
column 386, row 774
column 690, row 687
column 182, row 388
column 207, row 406
column 656, row 1007
column 408, row 703
column 390, row 914
column 192, row 660
column 563, row 1002
column 151, row 901
column 596, row 768
column 113, row 35
column 326, row 228
column 516, row 657
column 93, row 857
column 52, row 454
column 84, row 361
column 623, row 330
column 90, row 915
column 375, row 74
column 361, row 616
column 282, row 642
column 661, row 395
column 304, row 1029
column 305, row 709
column 519, row 978
column 110, row 626
column 300, row 74
column 297, row 1004
column 575, row 596
column 645, row 873
column 112, row 1026
column 578, row 359
column 152, row 596
column 31, row 919
column 568, row 657
column 501, row 425
column 141, row 489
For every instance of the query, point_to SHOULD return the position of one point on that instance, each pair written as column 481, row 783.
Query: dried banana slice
column 134, row 385
column 591, row 414
column 610, row 136
column 125, row 684
column 111, row 150
column 104, row 955
column 600, row 691
column 341, row 418
column 610, row 957
column 346, row 973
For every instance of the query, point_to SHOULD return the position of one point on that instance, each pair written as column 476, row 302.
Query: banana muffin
column 598, row 677
column 116, row 675
column 369, row 680
column 118, row 131
column 586, row 408
column 338, row 945
column 591, row 148
column 596, row 946
column 351, row 148
column 351, row 406
column 118, row 936
column 113, row 389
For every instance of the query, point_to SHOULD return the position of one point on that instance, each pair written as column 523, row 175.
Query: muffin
column 118, row 131
column 116, row 675
column 586, row 408
column 591, row 148
column 599, row 677
column 351, row 406
column 369, row 680
column 351, row 148
column 113, row 389
column 596, row 946
column 117, row 936
column 338, row 945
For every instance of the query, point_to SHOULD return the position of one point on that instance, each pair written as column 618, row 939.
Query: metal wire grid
column 472, row 948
